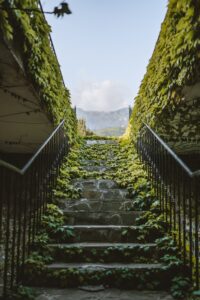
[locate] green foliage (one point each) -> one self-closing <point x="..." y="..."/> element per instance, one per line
<point x="135" y="254"/>
<point x="115" y="278"/>
<point x="170" y="257"/>
<point x="97" y="137"/>
<point x="39" y="259"/>
<point x="41" y="241"/>
<point x="31" y="33"/>
<point x="181" y="286"/>
<point x="70" y="170"/>
<point x="22" y="293"/>
<point x="174" y="65"/>
<point x="53" y="224"/>
<point x="141" y="203"/>
<point x="151" y="225"/>
<point x="167" y="245"/>
<point x="34" y="266"/>
<point x="124" y="167"/>
<point x="128" y="172"/>
<point x="172" y="262"/>
<point x="52" y="219"/>
<point x="83" y="131"/>
<point x="52" y="230"/>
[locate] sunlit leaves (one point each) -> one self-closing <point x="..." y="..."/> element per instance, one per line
<point x="24" y="19"/>
<point x="173" y="65"/>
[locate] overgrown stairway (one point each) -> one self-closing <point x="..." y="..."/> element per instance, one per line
<point x="107" y="243"/>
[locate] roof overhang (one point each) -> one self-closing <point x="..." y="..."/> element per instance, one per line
<point x="24" y="125"/>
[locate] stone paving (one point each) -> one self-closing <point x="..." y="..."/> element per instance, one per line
<point x="107" y="294"/>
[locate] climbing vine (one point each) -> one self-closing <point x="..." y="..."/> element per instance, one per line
<point x="150" y="227"/>
<point x="165" y="99"/>
<point x="28" y="34"/>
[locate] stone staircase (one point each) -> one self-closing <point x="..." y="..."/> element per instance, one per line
<point x="101" y="251"/>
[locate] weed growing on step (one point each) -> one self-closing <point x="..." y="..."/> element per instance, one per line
<point x="123" y="254"/>
<point x="53" y="225"/>
<point x="120" y="278"/>
<point x="52" y="230"/>
<point x="124" y="167"/>
<point x="70" y="169"/>
<point x="22" y="293"/>
<point x="128" y="172"/>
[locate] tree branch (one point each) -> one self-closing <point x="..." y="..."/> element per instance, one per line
<point x="59" y="11"/>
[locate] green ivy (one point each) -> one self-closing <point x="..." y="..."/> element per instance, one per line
<point x="22" y="293"/>
<point x="29" y="35"/>
<point x="174" y="65"/>
<point x="124" y="167"/>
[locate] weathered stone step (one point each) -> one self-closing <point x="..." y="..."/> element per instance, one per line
<point x="92" y="168"/>
<point x="134" y="276"/>
<point x="101" y="218"/>
<point x="90" y="293"/>
<point x="93" y="162"/>
<point x="105" y="233"/>
<point x="100" y="266"/>
<point x="102" y="142"/>
<point x="96" y="205"/>
<point x="106" y="245"/>
<point x="95" y="183"/>
<point x="104" y="252"/>
<point x="103" y="194"/>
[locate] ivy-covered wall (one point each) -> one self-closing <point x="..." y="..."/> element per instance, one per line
<point x="169" y="95"/>
<point x="28" y="33"/>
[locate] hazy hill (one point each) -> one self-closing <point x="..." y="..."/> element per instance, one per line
<point x="102" y="120"/>
<point x="111" y="131"/>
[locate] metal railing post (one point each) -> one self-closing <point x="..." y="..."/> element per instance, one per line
<point x="178" y="189"/>
<point x="24" y="194"/>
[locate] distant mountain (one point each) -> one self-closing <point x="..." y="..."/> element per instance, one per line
<point x="98" y="120"/>
<point x="113" y="131"/>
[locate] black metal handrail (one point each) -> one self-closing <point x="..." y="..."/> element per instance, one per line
<point x="173" y="154"/>
<point x="31" y="160"/>
<point x="178" y="189"/>
<point x="24" y="194"/>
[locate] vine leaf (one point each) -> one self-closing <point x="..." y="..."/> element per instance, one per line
<point x="62" y="9"/>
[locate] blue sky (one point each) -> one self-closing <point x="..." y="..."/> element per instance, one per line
<point x="104" y="48"/>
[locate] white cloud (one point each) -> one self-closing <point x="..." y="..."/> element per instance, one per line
<point x="102" y="96"/>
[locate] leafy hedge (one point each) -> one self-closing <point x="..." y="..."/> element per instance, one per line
<point x="29" y="35"/>
<point x="166" y="99"/>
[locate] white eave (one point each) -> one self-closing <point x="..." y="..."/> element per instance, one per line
<point x="24" y="125"/>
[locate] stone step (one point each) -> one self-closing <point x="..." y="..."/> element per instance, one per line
<point x="96" y="205"/>
<point x="104" y="252"/>
<point x="92" y="168"/>
<point x="95" y="184"/>
<point x="100" y="266"/>
<point x="93" y="162"/>
<point x="105" y="194"/>
<point x="90" y="293"/>
<point x="102" y="142"/>
<point x="101" y="218"/>
<point x="105" y="233"/>
<point x="134" y="276"/>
